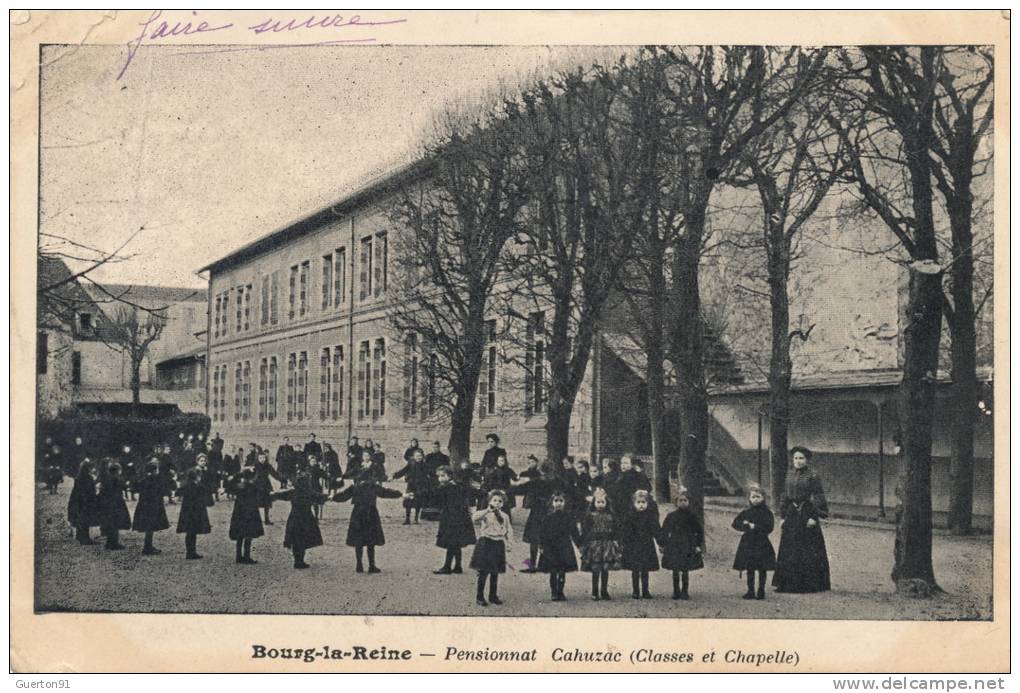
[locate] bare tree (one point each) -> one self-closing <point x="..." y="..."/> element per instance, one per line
<point x="723" y="98"/>
<point x="889" y="134"/>
<point x="963" y="119"/>
<point x="457" y="221"/>
<point x="133" y="331"/>
<point x="793" y="166"/>
<point x="588" y="155"/>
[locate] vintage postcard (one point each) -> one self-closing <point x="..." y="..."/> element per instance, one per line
<point x="395" y="341"/>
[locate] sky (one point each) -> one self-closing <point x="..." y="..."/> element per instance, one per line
<point x="200" y="150"/>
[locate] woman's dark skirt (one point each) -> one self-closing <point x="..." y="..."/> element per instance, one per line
<point x="802" y="565"/>
<point x="489" y="556"/>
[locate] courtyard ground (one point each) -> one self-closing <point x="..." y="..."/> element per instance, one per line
<point x="70" y="577"/>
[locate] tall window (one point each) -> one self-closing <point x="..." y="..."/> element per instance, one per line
<point x="381" y="263"/>
<point x="325" y="381"/>
<point x="263" y="387"/>
<point x="339" y="276"/>
<point x="379" y="379"/>
<point x="337" y="404"/>
<point x="292" y="295"/>
<point x="264" y="302"/>
<point x="534" y="364"/>
<point x="431" y="379"/>
<point x="327" y="281"/>
<point x="302" y="386"/>
<point x="223" y="392"/>
<point x="216" y="315"/>
<point x="239" y="312"/>
<point x="487" y="378"/>
<point x="291" y="385"/>
<point x="365" y="266"/>
<point x="216" y="394"/>
<point x="226" y="312"/>
<point x="246" y="392"/>
<point x="305" y="269"/>
<point x="247" y="307"/>
<point x="274" y="299"/>
<point x="411" y="376"/>
<point x="271" y="390"/>
<point x="364" y="381"/>
<point x="238" y="387"/>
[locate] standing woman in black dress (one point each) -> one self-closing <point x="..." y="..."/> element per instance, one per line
<point x="802" y="564"/>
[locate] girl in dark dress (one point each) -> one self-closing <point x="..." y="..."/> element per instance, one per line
<point x="537" y="494"/>
<point x="334" y="472"/>
<point x="417" y="477"/>
<point x="489" y="558"/>
<point x="320" y="482"/>
<point x="559" y="534"/>
<point x="755" y="552"/>
<point x="150" y="514"/>
<point x="802" y="564"/>
<point x="600" y="549"/>
<point x="193" y="520"/>
<point x="263" y="472"/>
<point x="53" y="475"/>
<point x="639" y="529"/>
<point x="680" y="539"/>
<point x="83" y="505"/>
<point x="365" y="528"/>
<point x="302" y="532"/>
<point x="245" y="520"/>
<point x="113" y="511"/>
<point x="500" y="478"/>
<point x="455" y="527"/>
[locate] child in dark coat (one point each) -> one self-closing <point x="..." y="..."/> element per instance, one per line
<point x="365" y="528"/>
<point x="456" y="529"/>
<point x="302" y="532"/>
<point x="680" y="539"/>
<point x="500" y="478"/>
<point x="537" y="494"/>
<point x="83" y="505"/>
<point x="150" y="514"/>
<point x="755" y="552"/>
<point x="559" y="534"/>
<point x="489" y="557"/>
<point x="263" y="472"/>
<point x="600" y="549"/>
<point x="245" y="520"/>
<point x="320" y="482"/>
<point x="113" y="511"/>
<point x="193" y="520"/>
<point x="416" y="474"/>
<point x="53" y="475"/>
<point x="639" y="530"/>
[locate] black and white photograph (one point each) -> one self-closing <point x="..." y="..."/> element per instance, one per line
<point x="339" y="325"/>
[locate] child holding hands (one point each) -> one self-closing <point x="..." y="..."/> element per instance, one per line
<point x="494" y="537"/>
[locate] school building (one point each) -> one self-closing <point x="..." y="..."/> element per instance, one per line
<point x="299" y="342"/>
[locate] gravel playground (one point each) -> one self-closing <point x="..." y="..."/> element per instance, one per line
<point x="70" y="577"/>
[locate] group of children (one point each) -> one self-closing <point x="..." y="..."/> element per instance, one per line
<point x="610" y="517"/>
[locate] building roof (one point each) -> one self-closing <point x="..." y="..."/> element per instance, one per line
<point x="841" y="380"/>
<point x="153" y="297"/>
<point x="362" y="195"/>
<point x="196" y="353"/>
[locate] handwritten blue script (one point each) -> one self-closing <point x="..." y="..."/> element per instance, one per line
<point x="156" y="28"/>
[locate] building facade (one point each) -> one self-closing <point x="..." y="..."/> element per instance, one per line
<point x="300" y="343"/>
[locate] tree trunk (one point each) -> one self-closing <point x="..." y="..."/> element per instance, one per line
<point x="461" y="419"/>
<point x="136" y="385"/>
<point x="913" y="562"/>
<point x="964" y="391"/>
<point x="780" y="366"/>
<point x="557" y="429"/>
<point x="656" y="377"/>
<point x="688" y="345"/>
<point x="912" y="569"/>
